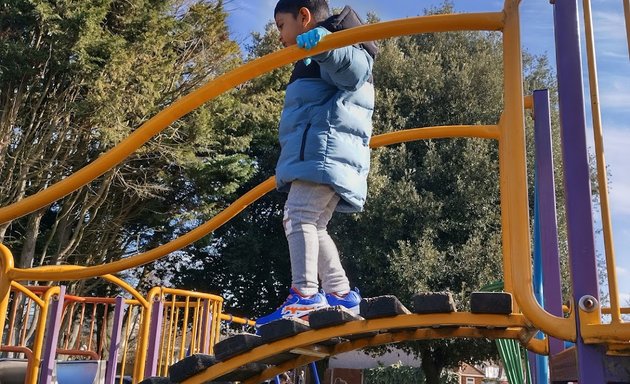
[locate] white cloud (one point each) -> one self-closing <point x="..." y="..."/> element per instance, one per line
<point x="616" y="145"/>
<point x="619" y="198"/>
<point x="609" y="25"/>
<point x="617" y="93"/>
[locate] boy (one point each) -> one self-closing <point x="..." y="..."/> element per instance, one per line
<point x="324" y="134"/>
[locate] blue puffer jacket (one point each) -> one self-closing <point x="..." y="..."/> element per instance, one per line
<point x="326" y="125"/>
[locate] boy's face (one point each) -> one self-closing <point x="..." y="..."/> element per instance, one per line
<point x="290" y="27"/>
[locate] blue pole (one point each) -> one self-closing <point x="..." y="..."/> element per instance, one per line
<point x="314" y="371"/>
<point x="541" y="364"/>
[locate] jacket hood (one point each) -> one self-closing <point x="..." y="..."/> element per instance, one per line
<point x="347" y="19"/>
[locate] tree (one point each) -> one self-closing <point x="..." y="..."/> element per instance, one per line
<point x="76" y="78"/>
<point x="436" y="201"/>
<point x="246" y="260"/>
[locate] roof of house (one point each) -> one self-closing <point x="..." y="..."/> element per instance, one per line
<point x="469" y="370"/>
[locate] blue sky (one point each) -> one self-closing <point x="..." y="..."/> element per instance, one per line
<point x="537" y="37"/>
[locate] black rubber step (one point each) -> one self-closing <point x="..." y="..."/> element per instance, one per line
<point x="433" y="302"/>
<point x="157" y="380"/>
<point x="331" y="316"/>
<point x="495" y="303"/>
<point x="236" y="345"/>
<point x="382" y="306"/>
<point x="190" y="366"/>
<point x="282" y="328"/>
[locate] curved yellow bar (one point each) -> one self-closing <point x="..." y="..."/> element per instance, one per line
<point x="513" y="183"/>
<point x="413" y="25"/>
<point x="111" y="278"/>
<point x="513" y="174"/>
<point x="64" y="272"/>
<point x="380" y="339"/>
<point x="19" y="287"/>
<point x="122" y="284"/>
<point x="313" y="337"/>
<point x="237" y="320"/>
<point x="443" y="132"/>
<point x="182" y="292"/>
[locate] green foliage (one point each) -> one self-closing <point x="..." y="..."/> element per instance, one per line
<point x="398" y="373"/>
<point x="436" y="201"/>
<point x="76" y="78"/>
<point x="248" y="257"/>
<point x="393" y="374"/>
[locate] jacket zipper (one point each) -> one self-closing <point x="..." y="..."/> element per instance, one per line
<point x="308" y="126"/>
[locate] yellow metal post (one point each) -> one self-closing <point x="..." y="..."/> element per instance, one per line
<point x="6" y="264"/>
<point x="626" y="12"/>
<point x="38" y="344"/>
<point x="513" y="171"/>
<point x="601" y="164"/>
<point x="143" y="334"/>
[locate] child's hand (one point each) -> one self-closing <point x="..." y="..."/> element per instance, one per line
<point x="310" y="39"/>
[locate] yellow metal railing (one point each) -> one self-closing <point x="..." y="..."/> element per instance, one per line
<point x="510" y="134"/>
<point x="191" y="324"/>
<point x="22" y="318"/>
<point x="134" y="315"/>
<point x="32" y="318"/>
<point x="601" y="165"/>
<point x="32" y="315"/>
<point x="184" y="315"/>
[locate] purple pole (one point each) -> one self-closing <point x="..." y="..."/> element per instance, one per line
<point x="545" y="185"/>
<point x="53" y="324"/>
<point x="114" y="345"/>
<point x="577" y="179"/>
<point x="155" y="335"/>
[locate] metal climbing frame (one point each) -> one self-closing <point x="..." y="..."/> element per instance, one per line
<point x="509" y="132"/>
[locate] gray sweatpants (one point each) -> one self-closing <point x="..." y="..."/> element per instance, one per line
<point x="313" y="253"/>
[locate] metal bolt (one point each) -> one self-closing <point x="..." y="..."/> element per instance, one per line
<point x="588" y="303"/>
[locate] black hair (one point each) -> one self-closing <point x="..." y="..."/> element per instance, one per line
<point x="319" y="8"/>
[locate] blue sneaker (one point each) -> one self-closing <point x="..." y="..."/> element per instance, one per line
<point x="296" y="306"/>
<point x="351" y="301"/>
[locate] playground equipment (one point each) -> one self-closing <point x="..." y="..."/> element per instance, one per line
<point x="45" y="323"/>
<point x="601" y="348"/>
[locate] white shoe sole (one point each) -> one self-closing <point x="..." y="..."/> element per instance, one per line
<point x="356" y="309"/>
